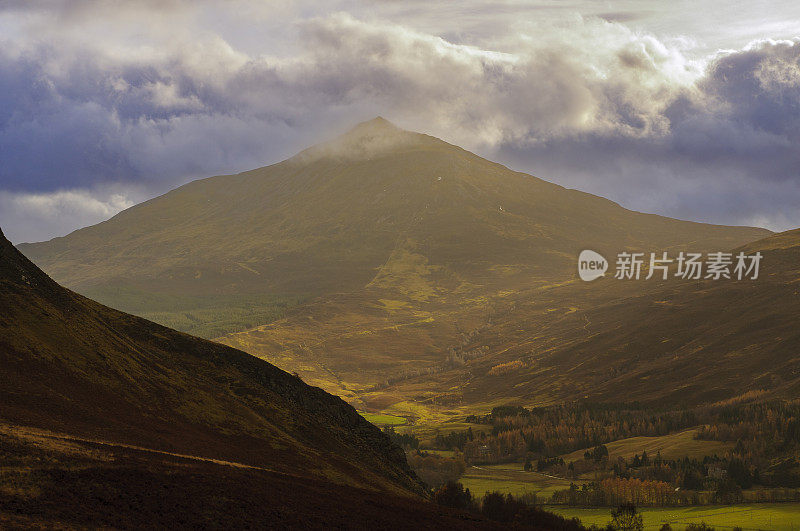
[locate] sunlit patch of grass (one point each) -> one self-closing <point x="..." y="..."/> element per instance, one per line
<point x="381" y="419"/>
<point x="409" y="273"/>
<point x="507" y="269"/>
<point x="672" y="446"/>
<point x="392" y="305"/>
<point x="510" y="478"/>
<point x="768" y="516"/>
<point x="421" y="413"/>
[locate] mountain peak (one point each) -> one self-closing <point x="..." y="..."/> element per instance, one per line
<point x="377" y="125"/>
<point x="378" y="129"/>
<point x="366" y="140"/>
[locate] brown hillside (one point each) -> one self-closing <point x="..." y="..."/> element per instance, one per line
<point x="74" y="366"/>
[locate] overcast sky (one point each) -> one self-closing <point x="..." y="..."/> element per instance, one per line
<point x="688" y="109"/>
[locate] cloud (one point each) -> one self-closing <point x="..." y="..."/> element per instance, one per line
<point x="29" y="217"/>
<point x="594" y="77"/>
<point x="729" y="154"/>
<point x="84" y="118"/>
<point x="582" y="101"/>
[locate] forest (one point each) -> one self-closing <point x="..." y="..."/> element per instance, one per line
<point x="759" y="464"/>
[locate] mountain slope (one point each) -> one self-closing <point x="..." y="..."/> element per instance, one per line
<point x="74" y="366"/>
<point x="676" y="342"/>
<point x="379" y="207"/>
<point x="55" y="481"/>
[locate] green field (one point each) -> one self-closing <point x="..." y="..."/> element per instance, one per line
<point x="510" y="478"/>
<point x="381" y="419"/>
<point x="772" y="516"/>
<point x="673" y="446"/>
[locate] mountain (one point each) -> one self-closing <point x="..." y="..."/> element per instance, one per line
<point x="359" y="260"/>
<point x="108" y="419"/>
<point x="377" y="207"/>
<point x="675" y="342"/>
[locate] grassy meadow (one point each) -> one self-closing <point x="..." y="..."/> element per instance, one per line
<point x="672" y="446"/>
<point x="766" y="516"/>
<point x="510" y="479"/>
<point x="381" y="419"/>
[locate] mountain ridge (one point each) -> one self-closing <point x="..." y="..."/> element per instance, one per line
<point x="74" y="366"/>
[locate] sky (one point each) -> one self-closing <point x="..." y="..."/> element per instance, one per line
<point x="686" y="109"/>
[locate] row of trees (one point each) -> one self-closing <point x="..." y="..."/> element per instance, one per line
<point x="454" y="440"/>
<point x="502" y="508"/>
<point x="617" y="491"/>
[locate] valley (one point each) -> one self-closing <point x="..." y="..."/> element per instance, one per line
<point x="436" y="293"/>
<point x="399" y="266"/>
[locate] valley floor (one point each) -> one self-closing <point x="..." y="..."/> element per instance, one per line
<point x="510" y="479"/>
<point x="764" y="516"/>
<point x="433" y="437"/>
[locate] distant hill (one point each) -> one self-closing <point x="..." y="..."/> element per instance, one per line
<point x="671" y="343"/>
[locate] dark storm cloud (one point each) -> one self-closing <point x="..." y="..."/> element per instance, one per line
<point x="757" y="92"/>
<point x="49" y="131"/>
<point x="730" y="154"/>
<point x="92" y="120"/>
